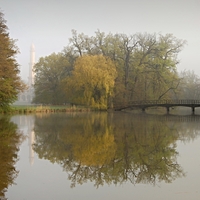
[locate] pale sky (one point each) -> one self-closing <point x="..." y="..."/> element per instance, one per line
<point x="48" y="24"/>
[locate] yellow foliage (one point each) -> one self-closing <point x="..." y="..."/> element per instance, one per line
<point x="92" y="80"/>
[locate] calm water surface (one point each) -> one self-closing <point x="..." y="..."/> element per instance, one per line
<point x="112" y="156"/>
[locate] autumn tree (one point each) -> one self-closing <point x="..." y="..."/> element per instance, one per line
<point x="10" y="81"/>
<point x="92" y="81"/>
<point x="50" y="71"/>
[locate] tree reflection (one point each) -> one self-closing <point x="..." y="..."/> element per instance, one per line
<point x="110" y="148"/>
<point x="10" y="140"/>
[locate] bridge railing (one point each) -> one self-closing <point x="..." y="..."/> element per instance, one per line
<point x="166" y="101"/>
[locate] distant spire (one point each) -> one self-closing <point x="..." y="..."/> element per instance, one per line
<point x="31" y="64"/>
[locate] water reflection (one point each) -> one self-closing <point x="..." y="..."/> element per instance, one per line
<point x="114" y="148"/>
<point x="10" y="140"/>
<point x="31" y="139"/>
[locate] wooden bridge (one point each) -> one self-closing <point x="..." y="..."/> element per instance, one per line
<point x="143" y="104"/>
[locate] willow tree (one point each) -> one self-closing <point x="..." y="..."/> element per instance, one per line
<point x="92" y="81"/>
<point x="10" y="82"/>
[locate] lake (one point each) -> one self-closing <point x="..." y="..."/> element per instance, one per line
<point x="114" y="156"/>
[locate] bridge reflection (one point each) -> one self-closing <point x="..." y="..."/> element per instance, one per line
<point x="170" y="118"/>
<point x="168" y="103"/>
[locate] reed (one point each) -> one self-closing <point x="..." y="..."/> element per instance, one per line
<point x="22" y="109"/>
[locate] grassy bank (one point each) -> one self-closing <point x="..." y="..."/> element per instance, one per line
<point x="45" y="109"/>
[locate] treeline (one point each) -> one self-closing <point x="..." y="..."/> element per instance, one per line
<point x="101" y="70"/>
<point x="107" y="69"/>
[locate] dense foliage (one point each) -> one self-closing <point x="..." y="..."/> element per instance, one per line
<point x="142" y="66"/>
<point x="50" y="71"/>
<point x="10" y="82"/>
<point x="92" y="81"/>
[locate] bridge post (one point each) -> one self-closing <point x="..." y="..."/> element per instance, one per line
<point x="167" y="109"/>
<point x="143" y="109"/>
<point x="193" y="110"/>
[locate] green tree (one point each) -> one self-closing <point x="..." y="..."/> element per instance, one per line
<point x="156" y="66"/>
<point x="92" y="81"/>
<point x="10" y="82"/>
<point x="50" y="71"/>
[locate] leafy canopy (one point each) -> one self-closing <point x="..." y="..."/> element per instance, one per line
<point x="50" y="72"/>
